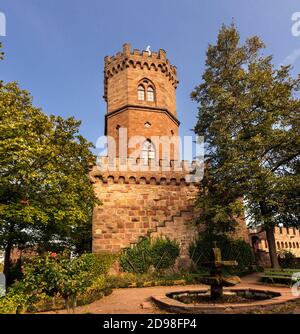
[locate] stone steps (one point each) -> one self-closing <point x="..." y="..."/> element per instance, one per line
<point x="177" y="225"/>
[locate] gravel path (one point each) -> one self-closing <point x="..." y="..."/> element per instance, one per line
<point x="137" y="300"/>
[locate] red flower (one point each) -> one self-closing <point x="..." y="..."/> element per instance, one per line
<point x="53" y="255"/>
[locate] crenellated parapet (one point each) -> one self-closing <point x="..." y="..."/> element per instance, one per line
<point x="137" y="59"/>
<point x="135" y="172"/>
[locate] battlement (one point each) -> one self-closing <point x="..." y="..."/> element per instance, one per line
<point x="155" y="61"/>
<point x="134" y="171"/>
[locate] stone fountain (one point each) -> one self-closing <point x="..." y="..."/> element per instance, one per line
<point x="236" y="300"/>
<point x="216" y="279"/>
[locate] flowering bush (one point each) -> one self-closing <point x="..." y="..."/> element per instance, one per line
<point x="58" y="275"/>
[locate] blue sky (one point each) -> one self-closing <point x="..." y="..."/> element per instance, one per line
<point x="55" y="48"/>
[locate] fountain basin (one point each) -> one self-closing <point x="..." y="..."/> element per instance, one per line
<point x="236" y="300"/>
<point x="237" y="296"/>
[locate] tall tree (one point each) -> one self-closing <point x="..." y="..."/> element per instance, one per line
<point x="46" y="198"/>
<point x="249" y="116"/>
<point x="1" y="53"/>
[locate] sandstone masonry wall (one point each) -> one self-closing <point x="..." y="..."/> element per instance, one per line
<point x="136" y="209"/>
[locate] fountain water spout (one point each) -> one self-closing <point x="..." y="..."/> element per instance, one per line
<point x="216" y="279"/>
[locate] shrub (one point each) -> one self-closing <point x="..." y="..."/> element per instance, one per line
<point x="101" y="263"/>
<point x="43" y="274"/>
<point x="13" y="303"/>
<point x="58" y="275"/>
<point x="124" y="280"/>
<point x="164" y="253"/>
<point x="287" y="259"/>
<point x="96" y="290"/>
<point x="160" y="253"/>
<point x="201" y="250"/>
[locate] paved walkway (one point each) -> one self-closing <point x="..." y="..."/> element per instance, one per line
<point x="137" y="300"/>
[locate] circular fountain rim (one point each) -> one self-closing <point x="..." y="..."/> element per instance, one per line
<point x="172" y="305"/>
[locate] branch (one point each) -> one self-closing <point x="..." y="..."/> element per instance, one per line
<point x="285" y="160"/>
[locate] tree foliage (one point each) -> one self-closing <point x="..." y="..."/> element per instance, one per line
<point x="249" y="116"/>
<point x="201" y="250"/>
<point x="46" y="198"/>
<point x="58" y="276"/>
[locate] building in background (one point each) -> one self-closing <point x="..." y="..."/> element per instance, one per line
<point x="286" y="239"/>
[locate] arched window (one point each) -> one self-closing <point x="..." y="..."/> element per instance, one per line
<point x="278" y="245"/>
<point x="147" y="152"/>
<point x="150" y="94"/>
<point x="146" y="90"/>
<point x="141" y="93"/>
<point x="282" y="244"/>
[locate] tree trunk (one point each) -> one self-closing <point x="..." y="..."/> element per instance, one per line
<point x="270" y="235"/>
<point x="272" y="247"/>
<point x="7" y="263"/>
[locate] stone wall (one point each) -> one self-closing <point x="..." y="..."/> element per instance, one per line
<point x="135" y="209"/>
<point x="145" y="203"/>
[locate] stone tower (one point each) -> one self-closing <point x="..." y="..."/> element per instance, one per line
<point x="140" y="91"/>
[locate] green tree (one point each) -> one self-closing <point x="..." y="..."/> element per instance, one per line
<point x="249" y="116"/>
<point x="46" y="198"/>
<point x="1" y="53"/>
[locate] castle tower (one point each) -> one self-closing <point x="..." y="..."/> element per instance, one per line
<point x="140" y="91"/>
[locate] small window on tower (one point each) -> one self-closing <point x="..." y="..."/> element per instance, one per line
<point x="150" y="94"/>
<point x="141" y="93"/>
